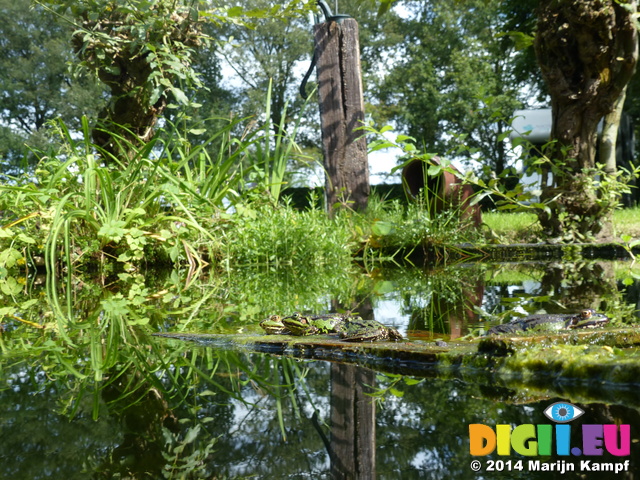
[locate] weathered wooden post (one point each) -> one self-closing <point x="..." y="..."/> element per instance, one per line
<point x="337" y="51"/>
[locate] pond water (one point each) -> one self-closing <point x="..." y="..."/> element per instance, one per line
<point x="95" y="396"/>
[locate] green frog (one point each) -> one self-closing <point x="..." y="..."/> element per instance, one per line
<point x="274" y="326"/>
<point x="351" y="328"/>
<point x="358" y="330"/>
<point x="587" y="318"/>
<point x="299" y="324"/>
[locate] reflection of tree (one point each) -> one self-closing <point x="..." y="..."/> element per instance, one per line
<point x="352" y="448"/>
<point x="231" y="400"/>
<point x="581" y="285"/>
<point x="35" y="437"/>
<point x="574" y="286"/>
<point x="558" y="287"/>
<point x="165" y="407"/>
<point x="632" y="296"/>
<point x="142" y="421"/>
<point x="353" y="423"/>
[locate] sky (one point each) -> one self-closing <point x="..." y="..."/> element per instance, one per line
<point x="380" y="162"/>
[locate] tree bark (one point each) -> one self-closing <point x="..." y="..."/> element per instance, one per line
<point x="341" y="113"/>
<point x="609" y="136"/>
<point x="587" y="51"/>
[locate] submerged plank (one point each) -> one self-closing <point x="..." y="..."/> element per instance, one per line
<point x="402" y="355"/>
<point x="598" y="353"/>
<point x="575" y="365"/>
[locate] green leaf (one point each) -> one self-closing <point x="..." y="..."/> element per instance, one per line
<point x="7" y="311"/>
<point x="29" y="303"/>
<point x="520" y="39"/>
<point x="503" y="135"/>
<point x="384" y="287"/>
<point x="508" y="206"/>
<point x="113" y="230"/>
<point x="155" y="95"/>
<point x="434" y="170"/>
<point x="115" y="306"/>
<point x="235" y="12"/>
<point x="180" y="96"/>
<point x="9" y="257"/>
<point x="384" y="7"/>
<point x="25" y="239"/>
<point x="404" y="139"/>
<point x="396" y="393"/>
<point x="477" y="198"/>
<point x="381" y="228"/>
<point x="10" y="286"/>
<point x="412" y="381"/>
<point x="192" y="434"/>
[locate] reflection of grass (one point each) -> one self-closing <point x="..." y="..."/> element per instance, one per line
<point x="513" y="276"/>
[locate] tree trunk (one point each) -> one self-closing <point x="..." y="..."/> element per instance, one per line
<point x="587" y="51"/>
<point x="609" y="137"/>
<point x="142" y="64"/>
<point x="128" y="121"/>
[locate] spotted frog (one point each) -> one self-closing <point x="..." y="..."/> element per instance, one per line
<point x="274" y="326"/>
<point x="299" y="324"/>
<point x="358" y="330"/>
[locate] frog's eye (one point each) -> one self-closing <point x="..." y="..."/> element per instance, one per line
<point x="587" y="313"/>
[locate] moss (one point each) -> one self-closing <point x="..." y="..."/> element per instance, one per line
<point x="574" y="358"/>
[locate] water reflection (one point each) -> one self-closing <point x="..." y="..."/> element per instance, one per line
<point x="336" y="422"/>
<point x="452" y="303"/>
<point x="352" y="448"/>
<point x="92" y="395"/>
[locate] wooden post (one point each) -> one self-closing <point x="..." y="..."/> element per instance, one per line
<point x="353" y="423"/>
<point x="341" y="113"/>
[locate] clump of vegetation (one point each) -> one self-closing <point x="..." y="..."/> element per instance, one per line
<point x="390" y="225"/>
<point x="162" y="208"/>
<point x="275" y="236"/>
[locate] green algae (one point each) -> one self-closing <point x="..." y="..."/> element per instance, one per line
<point x="604" y="356"/>
<point x="514" y="369"/>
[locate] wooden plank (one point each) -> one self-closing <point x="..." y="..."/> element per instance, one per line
<point x="341" y="113"/>
<point x="572" y="365"/>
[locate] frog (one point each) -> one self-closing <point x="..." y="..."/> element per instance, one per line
<point x="359" y="330"/>
<point x="586" y="318"/>
<point x="301" y="325"/>
<point x="274" y="326"/>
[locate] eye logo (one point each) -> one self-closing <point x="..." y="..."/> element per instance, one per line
<point x="563" y="412"/>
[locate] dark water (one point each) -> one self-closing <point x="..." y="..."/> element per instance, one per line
<point x="159" y="408"/>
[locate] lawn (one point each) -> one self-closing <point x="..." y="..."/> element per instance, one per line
<point x="523" y="227"/>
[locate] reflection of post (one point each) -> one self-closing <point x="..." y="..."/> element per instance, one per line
<point x="341" y="112"/>
<point x="353" y="426"/>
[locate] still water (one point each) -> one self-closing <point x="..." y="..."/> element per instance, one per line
<point x="110" y="401"/>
